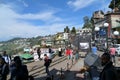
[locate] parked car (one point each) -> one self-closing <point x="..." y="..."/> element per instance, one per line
<point x="117" y="47"/>
<point x="26" y="57"/>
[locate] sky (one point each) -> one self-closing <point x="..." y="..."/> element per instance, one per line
<point x="32" y="18"/>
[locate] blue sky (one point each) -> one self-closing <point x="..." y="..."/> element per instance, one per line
<point x="31" y="18"/>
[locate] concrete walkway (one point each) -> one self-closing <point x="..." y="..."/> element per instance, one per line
<point x="72" y="74"/>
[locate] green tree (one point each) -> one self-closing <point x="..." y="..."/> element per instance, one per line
<point x="67" y="30"/>
<point x="39" y="42"/>
<point x="87" y="22"/>
<point x="73" y="31"/>
<point x="114" y="3"/>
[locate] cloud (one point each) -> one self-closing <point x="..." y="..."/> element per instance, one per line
<point x="14" y="24"/>
<point x="11" y="26"/>
<point x="24" y="3"/>
<point x="43" y="16"/>
<point x="78" y="4"/>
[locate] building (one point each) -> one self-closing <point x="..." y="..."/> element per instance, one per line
<point x="113" y="19"/>
<point x="114" y="23"/>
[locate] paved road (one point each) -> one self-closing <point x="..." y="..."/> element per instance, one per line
<point x="37" y="69"/>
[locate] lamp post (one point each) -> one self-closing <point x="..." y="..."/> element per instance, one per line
<point x="96" y="30"/>
<point x="106" y="25"/>
<point x="94" y="47"/>
<point x="116" y="33"/>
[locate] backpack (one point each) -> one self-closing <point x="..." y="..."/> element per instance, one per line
<point x="50" y="60"/>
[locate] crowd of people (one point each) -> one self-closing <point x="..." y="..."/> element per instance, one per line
<point x="15" y="68"/>
<point x="18" y="71"/>
<point x="107" y="59"/>
<point x="36" y="52"/>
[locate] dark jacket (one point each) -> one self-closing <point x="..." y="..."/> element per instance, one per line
<point x="47" y="61"/>
<point x="4" y="71"/>
<point x="108" y="72"/>
<point x="20" y="73"/>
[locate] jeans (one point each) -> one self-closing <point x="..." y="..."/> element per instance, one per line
<point x="47" y="70"/>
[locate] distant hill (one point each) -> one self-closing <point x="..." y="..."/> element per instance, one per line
<point x="16" y="45"/>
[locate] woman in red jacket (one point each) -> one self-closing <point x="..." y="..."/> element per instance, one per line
<point x="68" y="53"/>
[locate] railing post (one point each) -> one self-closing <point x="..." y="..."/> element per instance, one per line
<point x="61" y="74"/>
<point x="52" y="77"/>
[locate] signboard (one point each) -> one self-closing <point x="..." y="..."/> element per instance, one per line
<point x="115" y="21"/>
<point x="65" y="36"/>
<point x="92" y="60"/>
<point x="84" y="45"/>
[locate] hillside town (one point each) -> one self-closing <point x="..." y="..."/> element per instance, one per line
<point x="74" y="54"/>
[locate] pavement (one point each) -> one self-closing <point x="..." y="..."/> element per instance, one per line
<point x="73" y="73"/>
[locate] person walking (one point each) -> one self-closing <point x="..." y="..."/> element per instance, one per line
<point x="94" y="49"/>
<point x="76" y="55"/>
<point x="112" y="53"/>
<point x="39" y="52"/>
<point x="68" y="52"/>
<point x="47" y="62"/>
<point x="4" y="69"/>
<point x="35" y="54"/>
<point x="108" y="72"/>
<point x="60" y="52"/>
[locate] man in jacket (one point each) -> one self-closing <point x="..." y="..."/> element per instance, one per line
<point x="20" y="71"/>
<point x="6" y="57"/>
<point x="108" y="72"/>
<point x="4" y="69"/>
